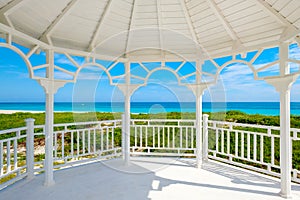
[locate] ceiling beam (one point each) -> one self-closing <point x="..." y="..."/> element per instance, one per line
<point x="159" y="23"/>
<point x="192" y="29"/>
<point x="218" y="13"/>
<point x="290" y="31"/>
<point x="9" y="8"/>
<point x="129" y="28"/>
<point x="45" y="37"/>
<point x="273" y="13"/>
<point x="107" y="8"/>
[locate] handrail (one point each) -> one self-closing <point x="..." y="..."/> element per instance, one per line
<point x="255" y="147"/>
<point x="246" y="145"/>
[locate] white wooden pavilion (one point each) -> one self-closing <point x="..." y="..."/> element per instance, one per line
<point x="138" y="32"/>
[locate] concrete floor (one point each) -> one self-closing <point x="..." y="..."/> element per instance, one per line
<point x="150" y="178"/>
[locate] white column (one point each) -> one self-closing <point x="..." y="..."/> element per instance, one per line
<point x="285" y="144"/>
<point x="205" y="137"/>
<point x="127" y="115"/>
<point x="123" y="136"/>
<point x="283" y="85"/>
<point x="49" y="180"/>
<point x="30" y="148"/>
<point x="198" y="92"/>
<point x="199" y="129"/>
<point x="50" y="86"/>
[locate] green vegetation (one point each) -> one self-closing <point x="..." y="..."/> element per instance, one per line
<point x="8" y="121"/>
<point x="15" y="120"/>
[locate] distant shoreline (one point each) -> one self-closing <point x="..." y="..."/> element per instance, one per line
<point x="263" y="108"/>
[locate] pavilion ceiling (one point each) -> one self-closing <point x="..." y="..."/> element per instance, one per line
<point x="155" y="29"/>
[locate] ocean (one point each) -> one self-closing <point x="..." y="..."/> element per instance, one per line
<point x="264" y="108"/>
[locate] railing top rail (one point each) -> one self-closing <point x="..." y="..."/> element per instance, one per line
<point x="87" y="123"/>
<point x="245" y="125"/>
<point x="12" y="130"/>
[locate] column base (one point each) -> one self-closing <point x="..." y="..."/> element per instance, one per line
<point x="49" y="183"/>
<point x="285" y="195"/>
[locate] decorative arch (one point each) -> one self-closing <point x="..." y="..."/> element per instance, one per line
<point x="96" y="65"/>
<point x="160" y="69"/>
<point x="24" y="57"/>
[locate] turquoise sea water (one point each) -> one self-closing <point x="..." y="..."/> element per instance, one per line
<point x="265" y="108"/>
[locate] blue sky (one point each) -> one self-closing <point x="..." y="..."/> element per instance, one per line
<point x="236" y="83"/>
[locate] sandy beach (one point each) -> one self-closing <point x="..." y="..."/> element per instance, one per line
<point x="16" y="111"/>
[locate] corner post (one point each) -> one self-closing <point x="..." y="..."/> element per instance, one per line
<point x="50" y="86"/>
<point x="127" y="90"/>
<point x="283" y="85"/>
<point x="205" y="137"/>
<point x="198" y="90"/>
<point x="123" y="136"/>
<point x="30" y="148"/>
<point x="199" y="129"/>
<point x="127" y="115"/>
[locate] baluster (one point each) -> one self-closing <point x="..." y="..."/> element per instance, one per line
<point x="261" y="148"/>
<point x="55" y="145"/>
<point x="236" y="144"/>
<point x="254" y="147"/>
<point x="107" y="140"/>
<point x="102" y="142"/>
<point x="113" y="138"/>
<point x="248" y="146"/>
<point x="217" y="140"/>
<point x="8" y="156"/>
<point x="173" y="137"/>
<point x="135" y="136"/>
<point x="272" y="151"/>
<point x="163" y="130"/>
<point x="16" y="155"/>
<point x="222" y="140"/>
<point x="186" y="137"/>
<point x="62" y="144"/>
<point x="89" y="141"/>
<point x="83" y="142"/>
<point x="168" y="130"/>
<point x="1" y="158"/>
<point x="94" y="140"/>
<point x="228" y="142"/>
<point x="78" y="146"/>
<point x="242" y="144"/>
<point x="192" y="137"/>
<point x="141" y="137"/>
<point x="180" y="129"/>
<point x="146" y="135"/>
<point x="158" y="137"/>
<point x="153" y="135"/>
<point x="72" y="143"/>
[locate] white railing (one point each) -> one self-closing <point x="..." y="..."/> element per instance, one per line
<point x="85" y="140"/>
<point x="163" y="137"/>
<point x="11" y="165"/>
<point x="254" y="147"/>
<point x="22" y="150"/>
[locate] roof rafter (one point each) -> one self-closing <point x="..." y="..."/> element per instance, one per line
<point x="8" y="9"/>
<point x="58" y="20"/>
<point x="218" y="13"/>
<point x="92" y="44"/>
<point x="159" y="23"/>
<point x="290" y="30"/>
<point x="129" y="28"/>
<point x="191" y="27"/>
